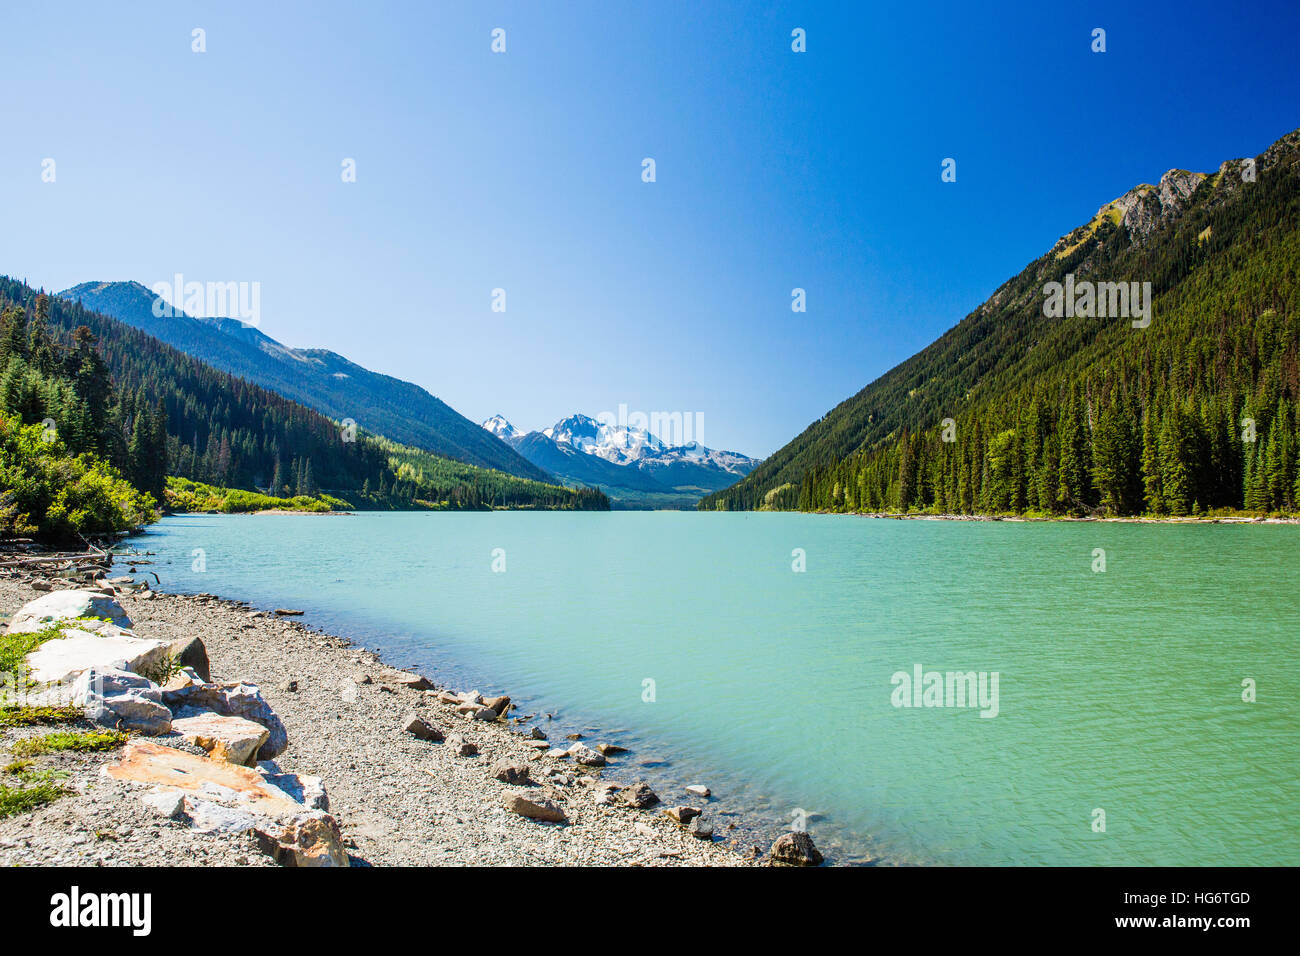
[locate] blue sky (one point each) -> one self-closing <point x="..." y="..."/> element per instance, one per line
<point x="522" y="171"/>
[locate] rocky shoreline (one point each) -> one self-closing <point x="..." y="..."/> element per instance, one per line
<point x="410" y="774"/>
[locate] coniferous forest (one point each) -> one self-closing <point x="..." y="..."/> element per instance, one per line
<point x="144" y="411"/>
<point x="1014" y="413"/>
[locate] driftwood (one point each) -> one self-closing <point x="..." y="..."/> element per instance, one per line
<point x="94" y="560"/>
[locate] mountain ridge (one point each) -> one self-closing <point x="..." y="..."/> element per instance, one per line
<point x="1235" y="225"/>
<point x="318" y="378"/>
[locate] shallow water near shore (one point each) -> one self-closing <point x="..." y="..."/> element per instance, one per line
<point x="1118" y="691"/>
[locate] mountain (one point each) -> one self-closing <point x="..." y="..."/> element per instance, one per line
<point x="619" y="444"/>
<point x="1049" y="399"/>
<point x="152" y="410"/>
<point x="317" y="378"/>
<point x="634" y="467"/>
<point x="498" y="426"/>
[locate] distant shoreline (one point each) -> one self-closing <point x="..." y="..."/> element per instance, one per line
<point x="1023" y="519"/>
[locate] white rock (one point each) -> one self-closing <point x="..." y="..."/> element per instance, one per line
<point x="63" y="659"/>
<point x="698" y="790"/>
<point x="306" y="789"/>
<point x="164" y="802"/>
<point x="207" y="816"/>
<point x="66" y="605"/>
<point x="119" y="699"/>
<point x="586" y="756"/>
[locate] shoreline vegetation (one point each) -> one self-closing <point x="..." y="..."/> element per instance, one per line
<point x="404" y="772"/>
<point x="1232" y="518"/>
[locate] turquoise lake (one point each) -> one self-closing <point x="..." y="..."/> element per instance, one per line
<point x="1118" y="691"/>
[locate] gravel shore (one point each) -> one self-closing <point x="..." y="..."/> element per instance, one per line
<point x="399" y="800"/>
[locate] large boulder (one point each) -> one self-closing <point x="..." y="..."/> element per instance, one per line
<point x="63" y="659"/>
<point x="232" y="739"/>
<point x="232" y="699"/>
<point x="58" y="606"/>
<point x="311" y="839"/>
<point x="122" y="700"/>
<point x="219" y="797"/>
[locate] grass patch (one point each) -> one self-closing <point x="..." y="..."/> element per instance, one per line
<point x="34" y="788"/>
<point x="14" y="800"/>
<point x="31" y="716"/>
<point x="14" y="648"/>
<point x="64" y="740"/>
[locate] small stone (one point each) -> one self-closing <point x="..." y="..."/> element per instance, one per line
<point x="701" y="829"/>
<point x="573" y="736"/>
<point x="289" y="687"/>
<point x="699" y="790"/>
<point x="682" y="815"/>
<point x="586" y="756"/>
<point x="362" y="678"/>
<point x="409" y="681"/>
<point x="461" y="747"/>
<point x="512" y="773"/>
<point x="610" y="749"/>
<point x="796" y="849"/>
<point x="420" y="728"/>
<point x="639" y="795"/>
<point x="498" y="704"/>
<point x="534" y="808"/>
<point x="537" y="733"/>
<point x="166" y="803"/>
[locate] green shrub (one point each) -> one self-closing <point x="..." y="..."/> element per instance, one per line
<point x="51" y="494"/>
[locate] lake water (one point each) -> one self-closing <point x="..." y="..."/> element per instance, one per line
<point x="1118" y="691"/>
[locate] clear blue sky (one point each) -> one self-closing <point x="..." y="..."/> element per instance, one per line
<point x="523" y="170"/>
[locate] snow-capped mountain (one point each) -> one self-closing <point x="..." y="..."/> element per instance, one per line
<point x="498" y="426"/>
<point x="617" y="443"/>
<point x="623" y="459"/>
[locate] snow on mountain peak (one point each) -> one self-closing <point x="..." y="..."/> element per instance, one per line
<point x="616" y="443"/>
<point x="498" y="426"/>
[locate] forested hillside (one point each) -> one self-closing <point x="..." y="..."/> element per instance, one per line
<point x="151" y="411"/>
<point x="1195" y="412"/>
<point x="67" y="439"/>
<point x="320" y="379"/>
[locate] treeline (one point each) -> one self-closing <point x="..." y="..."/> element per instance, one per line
<point x="1197" y="412"/>
<point x="424" y="479"/>
<point x="1086" y="452"/>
